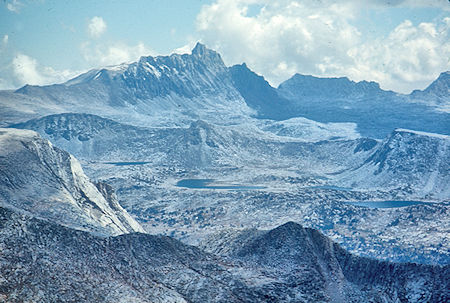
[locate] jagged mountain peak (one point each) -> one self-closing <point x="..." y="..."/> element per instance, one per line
<point x="155" y="65"/>
<point x="200" y="49"/>
<point x="151" y="84"/>
<point x="200" y="54"/>
<point x="149" y="71"/>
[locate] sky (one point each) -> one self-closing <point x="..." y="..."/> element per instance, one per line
<point x="401" y="44"/>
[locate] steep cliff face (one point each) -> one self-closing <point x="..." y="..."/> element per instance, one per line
<point x="49" y="183"/>
<point x="259" y="94"/>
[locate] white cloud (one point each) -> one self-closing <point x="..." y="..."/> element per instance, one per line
<point x="187" y="48"/>
<point x="5" y="84"/>
<point x="27" y="70"/>
<point x="409" y="58"/>
<point x="408" y="3"/>
<point x="96" y="27"/>
<point x="101" y="55"/>
<point x="319" y="38"/>
<point x="285" y="36"/>
<point x="5" y="39"/>
<point x="14" y="6"/>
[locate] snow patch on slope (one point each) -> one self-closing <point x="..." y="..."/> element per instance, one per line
<point x="311" y="131"/>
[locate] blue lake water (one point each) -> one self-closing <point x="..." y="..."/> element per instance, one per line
<point x="385" y="204"/>
<point x="209" y="184"/>
<point x="331" y="187"/>
<point x="126" y="163"/>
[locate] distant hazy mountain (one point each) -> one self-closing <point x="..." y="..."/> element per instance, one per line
<point x="330" y="88"/>
<point x="44" y="261"/>
<point x="377" y="112"/>
<point x="49" y="183"/>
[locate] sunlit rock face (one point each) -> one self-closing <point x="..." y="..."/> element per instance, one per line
<point x="49" y="183"/>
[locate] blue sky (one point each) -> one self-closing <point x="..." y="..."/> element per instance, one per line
<point x="402" y="44"/>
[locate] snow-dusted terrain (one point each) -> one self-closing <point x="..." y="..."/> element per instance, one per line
<point x="307" y="181"/>
<point x="49" y="183"/>
<point x="418" y="160"/>
<point x="43" y="261"/>
<point x="217" y="158"/>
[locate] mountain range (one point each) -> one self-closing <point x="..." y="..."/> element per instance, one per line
<point x="166" y="90"/>
<point x="177" y="179"/>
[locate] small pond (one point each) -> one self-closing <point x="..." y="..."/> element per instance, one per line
<point x="212" y="184"/>
<point x="127" y="163"/>
<point x="385" y="204"/>
<point x="331" y="187"/>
